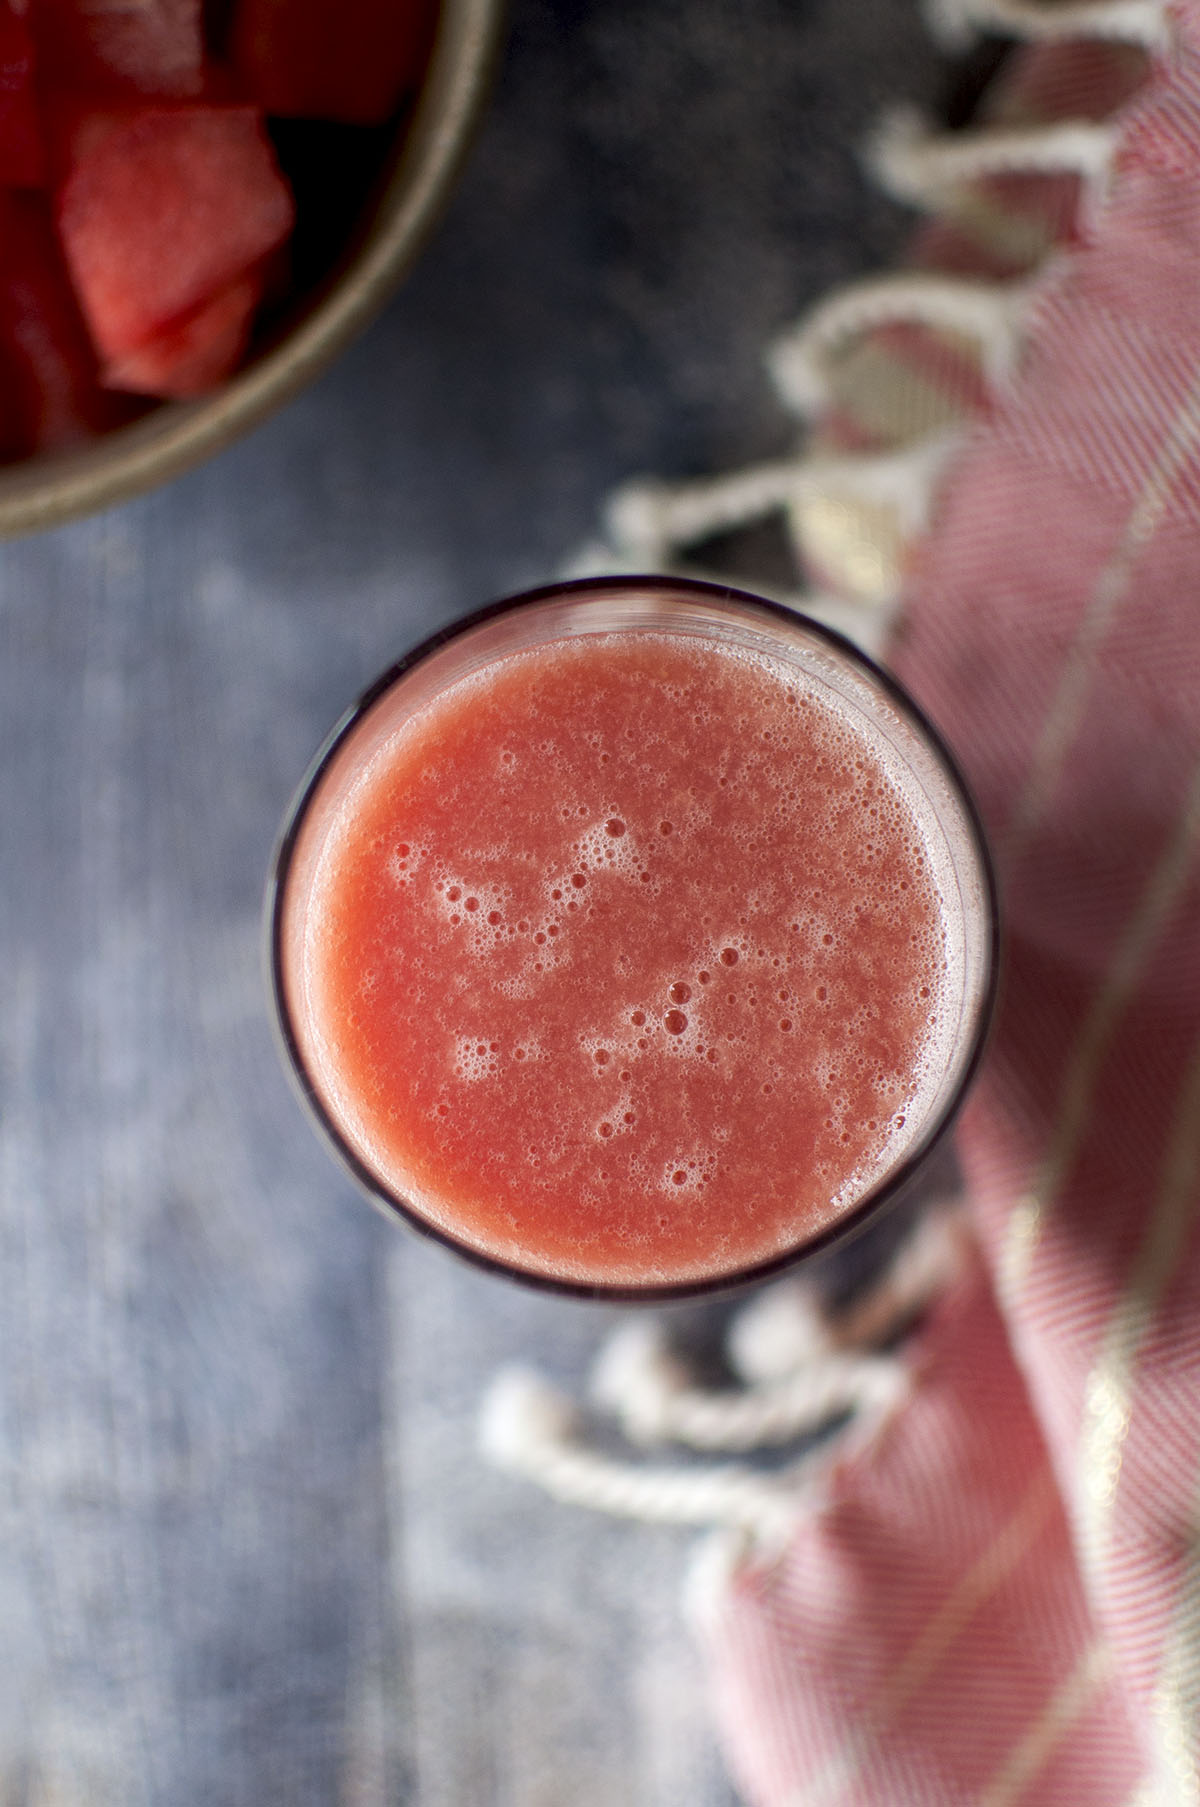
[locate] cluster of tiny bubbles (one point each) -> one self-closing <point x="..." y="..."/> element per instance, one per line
<point x="688" y="1173"/>
<point x="595" y="740"/>
<point x="475" y="1058"/>
<point x="482" y="909"/>
<point x="547" y="1150"/>
<point x="485" y="914"/>
<point x="405" y="861"/>
<point x="607" y="845"/>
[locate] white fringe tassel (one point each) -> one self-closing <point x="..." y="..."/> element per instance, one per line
<point x="651" y="518"/>
<point x="806" y="1368"/>
<point x="927" y="168"/>
<point x="953" y="23"/>
<point x="651" y="1395"/>
<point x="788" y="1327"/>
<point x="528" y="1429"/>
<point x="991" y="313"/>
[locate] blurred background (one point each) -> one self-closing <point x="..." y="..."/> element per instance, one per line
<point x="248" y="1552"/>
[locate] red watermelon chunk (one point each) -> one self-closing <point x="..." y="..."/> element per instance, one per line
<point x="51" y="386"/>
<point x="195" y="354"/>
<point x="22" y="158"/>
<point x="147" y="47"/>
<point x="164" y="209"/>
<point x="349" y="60"/>
<point x="73" y="125"/>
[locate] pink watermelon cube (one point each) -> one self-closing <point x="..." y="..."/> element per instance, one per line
<point x="349" y="60"/>
<point x="72" y="125"/>
<point x="52" y="389"/>
<point x="150" y="47"/>
<point x="195" y="354"/>
<point x="164" y="209"/>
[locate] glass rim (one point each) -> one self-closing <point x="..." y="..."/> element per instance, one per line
<point x="394" y="1206"/>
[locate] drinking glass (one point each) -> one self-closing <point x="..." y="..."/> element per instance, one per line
<point x="877" y="722"/>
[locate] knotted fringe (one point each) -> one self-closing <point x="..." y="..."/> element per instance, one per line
<point x="801" y="1366"/>
<point x="852" y="513"/>
<point x="1142" y="22"/>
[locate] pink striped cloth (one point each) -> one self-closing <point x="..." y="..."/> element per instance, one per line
<point x="1001" y="1602"/>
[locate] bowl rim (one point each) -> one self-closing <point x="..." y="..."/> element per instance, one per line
<point x="46" y="491"/>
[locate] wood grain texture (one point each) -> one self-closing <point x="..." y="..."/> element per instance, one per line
<point x="248" y="1555"/>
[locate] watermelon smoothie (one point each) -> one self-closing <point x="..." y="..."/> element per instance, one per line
<point x="634" y="939"/>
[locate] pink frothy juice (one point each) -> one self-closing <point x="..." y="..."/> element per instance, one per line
<point x="635" y="938"/>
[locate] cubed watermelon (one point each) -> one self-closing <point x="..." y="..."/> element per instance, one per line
<point x="73" y="124"/>
<point x="22" y="156"/>
<point x="348" y="60"/>
<point x="53" y="390"/>
<point x="153" y="48"/>
<point x="164" y="209"/>
<point x="195" y="354"/>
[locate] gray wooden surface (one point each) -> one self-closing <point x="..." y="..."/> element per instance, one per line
<point x="248" y="1554"/>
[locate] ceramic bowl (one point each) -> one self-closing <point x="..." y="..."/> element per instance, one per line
<point x="414" y="179"/>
